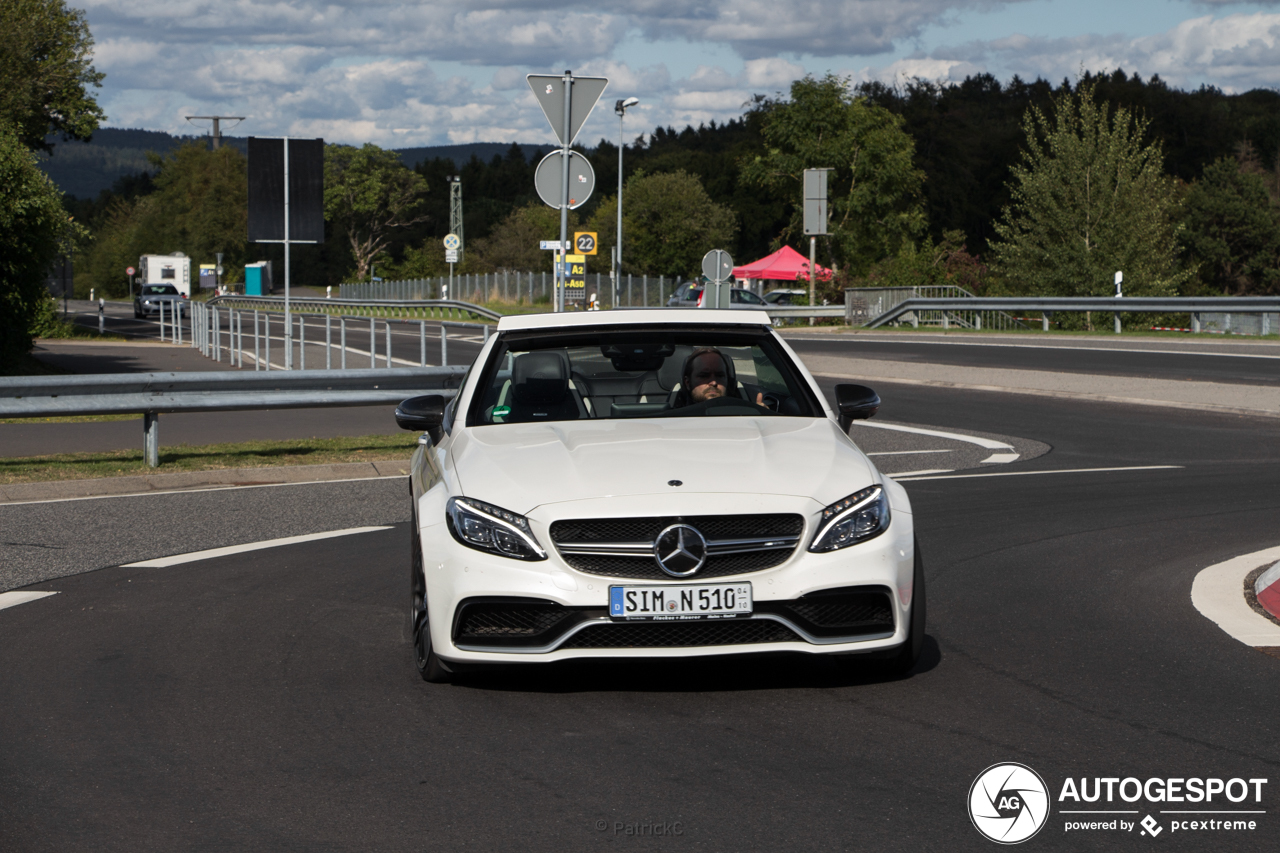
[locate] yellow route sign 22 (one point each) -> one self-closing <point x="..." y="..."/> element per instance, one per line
<point x="584" y="242"/>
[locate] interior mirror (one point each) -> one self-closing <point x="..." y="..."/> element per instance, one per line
<point x="423" y="414"/>
<point x="855" y="402"/>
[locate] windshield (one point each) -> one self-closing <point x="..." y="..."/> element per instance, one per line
<point x="639" y="373"/>
<point x="160" y="290"/>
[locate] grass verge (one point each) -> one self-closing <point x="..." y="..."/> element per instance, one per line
<point x="210" y="457"/>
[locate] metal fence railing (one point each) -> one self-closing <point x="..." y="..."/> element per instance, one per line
<point x="153" y="394"/>
<point x="865" y="304"/>
<point x="1197" y="307"/>
<point x="222" y="328"/>
<point x="633" y="291"/>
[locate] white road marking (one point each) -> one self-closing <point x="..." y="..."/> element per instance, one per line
<point x="1052" y="471"/>
<point x="202" y="489"/>
<point x="1002" y="458"/>
<point x="194" y="556"/>
<point x="1218" y="593"/>
<point x="907" y="452"/>
<point x="920" y="473"/>
<point x="954" y="436"/>
<point x="13" y="599"/>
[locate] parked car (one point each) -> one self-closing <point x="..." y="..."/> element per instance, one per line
<point x="652" y="484"/>
<point x="786" y="296"/>
<point x="689" y="295"/>
<point x="150" y="297"/>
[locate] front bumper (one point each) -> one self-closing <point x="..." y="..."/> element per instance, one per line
<point x="456" y="575"/>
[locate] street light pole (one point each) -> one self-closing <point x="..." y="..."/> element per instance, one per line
<point x="621" y="109"/>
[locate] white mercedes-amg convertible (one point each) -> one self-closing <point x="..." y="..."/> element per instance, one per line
<point x="652" y="483"/>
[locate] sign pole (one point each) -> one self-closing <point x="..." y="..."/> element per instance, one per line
<point x="288" y="326"/>
<point x="564" y="185"/>
<point x="813" y="276"/>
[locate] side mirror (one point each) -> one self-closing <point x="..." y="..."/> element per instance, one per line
<point x="855" y="402"/>
<point x="423" y="414"/>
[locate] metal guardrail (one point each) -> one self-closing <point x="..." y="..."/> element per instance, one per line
<point x="1193" y="305"/>
<point x="407" y="308"/>
<point x="153" y="394"/>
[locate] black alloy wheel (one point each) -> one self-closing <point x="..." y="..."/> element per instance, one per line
<point x="429" y="665"/>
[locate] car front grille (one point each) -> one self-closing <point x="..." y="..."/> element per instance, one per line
<point x="764" y="541"/>
<point x="652" y="635"/>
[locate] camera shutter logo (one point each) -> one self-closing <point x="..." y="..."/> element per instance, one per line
<point x="1008" y="803"/>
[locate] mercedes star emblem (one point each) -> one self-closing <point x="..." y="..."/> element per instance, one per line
<point x="680" y="550"/>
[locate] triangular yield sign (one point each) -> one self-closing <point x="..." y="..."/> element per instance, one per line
<point x="549" y="90"/>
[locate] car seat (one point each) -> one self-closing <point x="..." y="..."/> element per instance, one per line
<point x="540" y="389"/>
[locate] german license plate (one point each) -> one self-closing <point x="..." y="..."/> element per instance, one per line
<point x="680" y="603"/>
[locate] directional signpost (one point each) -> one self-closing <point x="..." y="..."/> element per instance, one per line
<point x="717" y="266"/>
<point x="566" y="101"/>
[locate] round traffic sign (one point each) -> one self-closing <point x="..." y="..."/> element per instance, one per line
<point x="451" y="241"/>
<point x="129" y="271"/>
<point x="717" y="265"/>
<point x="548" y="179"/>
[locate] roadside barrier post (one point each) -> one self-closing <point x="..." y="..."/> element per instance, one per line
<point x="1195" y="322"/>
<point x="151" y="438"/>
<point x="302" y="343"/>
<point x="444" y="346"/>
<point x="422" y="343"/>
<point x="342" y="338"/>
<point x="373" y="345"/>
<point x="266" y="338"/>
<point x="328" y="341"/>
<point x="257" y="353"/>
<point x="162" y="321"/>
<point x="386" y="325"/>
<point x="102" y="317"/>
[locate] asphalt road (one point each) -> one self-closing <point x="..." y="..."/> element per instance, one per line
<point x="268" y="700"/>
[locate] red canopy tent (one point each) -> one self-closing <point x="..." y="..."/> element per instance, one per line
<point x="786" y="264"/>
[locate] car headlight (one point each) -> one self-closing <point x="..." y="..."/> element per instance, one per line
<point x="486" y="527"/>
<point x="855" y="519"/>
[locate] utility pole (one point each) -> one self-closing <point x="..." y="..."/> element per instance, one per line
<point x="217" y="129"/>
<point x="455" y="212"/>
<point x="621" y="109"/>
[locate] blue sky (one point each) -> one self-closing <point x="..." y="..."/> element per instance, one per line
<point x="431" y="73"/>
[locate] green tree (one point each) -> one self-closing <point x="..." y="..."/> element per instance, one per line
<point x="1233" y="230"/>
<point x="199" y="208"/>
<point x="874" y="190"/>
<point x="46" y="70"/>
<point x="369" y="194"/>
<point x="513" y="243"/>
<point x="1089" y="197"/>
<point x="668" y="223"/>
<point x="33" y="230"/>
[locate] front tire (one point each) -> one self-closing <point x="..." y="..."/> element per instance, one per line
<point x="430" y="667"/>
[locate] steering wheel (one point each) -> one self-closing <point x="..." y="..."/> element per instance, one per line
<point x="720" y="406"/>
<point x="772" y="401"/>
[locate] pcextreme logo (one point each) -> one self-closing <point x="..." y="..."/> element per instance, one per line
<point x="1009" y="803"/>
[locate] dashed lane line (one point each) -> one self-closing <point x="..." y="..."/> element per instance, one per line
<point x="195" y="556"/>
<point x="13" y="599"/>
<point x="1218" y="593"/>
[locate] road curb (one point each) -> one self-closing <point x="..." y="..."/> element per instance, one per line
<point x="1218" y="593"/>
<point x="226" y="478"/>
<point x="1267" y="590"/>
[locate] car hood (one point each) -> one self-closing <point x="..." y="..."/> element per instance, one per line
<point x="523" y="466"/>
